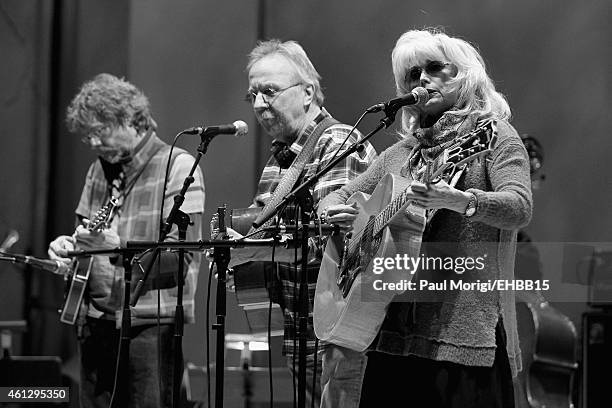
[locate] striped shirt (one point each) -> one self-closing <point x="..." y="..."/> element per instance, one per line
<point x="287" y="279"/>
<point x="140" y="190"/>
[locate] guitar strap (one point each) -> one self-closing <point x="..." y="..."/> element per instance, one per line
<point x="292" y="175"/>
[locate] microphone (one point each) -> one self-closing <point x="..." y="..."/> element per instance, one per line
<point x="418" y="96"/>
<point x="239" y="128"/>
<point x="48" y="265"/>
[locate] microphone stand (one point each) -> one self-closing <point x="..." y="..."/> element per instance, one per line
<point x="221" y="256"/>
<point x="182" y="221"/>
<point x="302" y="195"/>
<point x="222" y="259"/>
<point x="305" y="203"/>
<point x="176" y="216"/>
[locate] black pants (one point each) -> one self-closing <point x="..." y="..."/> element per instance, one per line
<point x="399" y="381"/>
<point x="99" y="347"/>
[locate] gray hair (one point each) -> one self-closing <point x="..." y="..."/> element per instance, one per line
<point x="294" y="53"/>
<point x="476" y="91"/>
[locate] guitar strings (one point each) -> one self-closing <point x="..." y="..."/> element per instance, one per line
<point x="396" y="204"/>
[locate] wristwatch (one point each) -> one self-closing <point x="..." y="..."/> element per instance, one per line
<point x="472" y="206"/>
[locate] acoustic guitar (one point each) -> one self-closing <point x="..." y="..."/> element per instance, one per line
<point x="81" y="267"/>
<point x="348" y="311"/>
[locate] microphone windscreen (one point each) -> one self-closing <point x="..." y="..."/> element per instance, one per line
<point x="422" y="95"/>
<point x="241" y="128"/>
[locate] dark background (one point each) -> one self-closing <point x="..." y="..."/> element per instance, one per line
<point x="550" y="58"/>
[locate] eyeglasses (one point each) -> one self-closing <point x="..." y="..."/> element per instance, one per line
<point x="430" y="68"/>
<point x="268" y="93"/>
<point x="94" y="138"/>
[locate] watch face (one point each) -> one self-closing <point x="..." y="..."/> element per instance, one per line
<point x="471" y="207"/>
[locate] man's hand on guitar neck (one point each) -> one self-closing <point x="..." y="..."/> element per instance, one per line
<point x="90" y="240"/>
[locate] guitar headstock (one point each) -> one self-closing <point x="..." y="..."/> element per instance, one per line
<point x="465" y="149"/>
<point x="218" y="224"/>
<point x="104" y="216"/>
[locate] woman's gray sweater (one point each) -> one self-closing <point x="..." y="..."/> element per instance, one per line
<point x="459" y="325"/>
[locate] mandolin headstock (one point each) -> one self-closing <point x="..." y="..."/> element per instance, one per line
<point x="104" y="216"/>
<point x="468" y="148"/>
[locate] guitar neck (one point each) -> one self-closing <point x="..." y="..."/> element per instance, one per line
<point x="453" y="159"/>
<point x="396" y="205"/>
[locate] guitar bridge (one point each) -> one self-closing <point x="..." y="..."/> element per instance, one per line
<point x="345" y="248"/>
<point x="347" y="279"/>
<point x="341" y="279"/>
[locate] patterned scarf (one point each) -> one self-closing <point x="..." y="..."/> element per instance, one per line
<point x="433" y="140"/>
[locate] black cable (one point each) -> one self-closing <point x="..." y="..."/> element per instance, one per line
<point x="295" y="305"/>
<point x="116" y="375"/>
<point x="209" y="285"/>
<point x="349" y="134"/>
<point x="158" y="261"/>
<point x="159" y="355"/>
<point x="117" y="362"/>
<point x="270" y="326"/>
<point x="163" y="197"/>
<point x="210" y="274"/>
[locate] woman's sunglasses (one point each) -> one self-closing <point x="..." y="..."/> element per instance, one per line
<point x="430" y="68"/>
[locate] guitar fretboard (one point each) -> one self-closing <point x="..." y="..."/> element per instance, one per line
<point x="460" y="152"/>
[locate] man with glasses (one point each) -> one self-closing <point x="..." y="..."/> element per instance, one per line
<point x="115" y="121"/>
<point x="439" y="346"/>
<point x="287" y="100"/>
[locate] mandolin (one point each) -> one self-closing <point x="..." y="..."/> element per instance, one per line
<point x="81" y="267"/>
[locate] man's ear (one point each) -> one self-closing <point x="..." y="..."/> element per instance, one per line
<point x="309" y="92"/>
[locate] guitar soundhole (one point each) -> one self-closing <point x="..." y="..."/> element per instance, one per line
<point x="358" y="258"/>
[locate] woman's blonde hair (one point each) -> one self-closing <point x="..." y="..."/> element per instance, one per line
<point x="476" y="91"/>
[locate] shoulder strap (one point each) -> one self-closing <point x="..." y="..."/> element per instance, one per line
<point x="293" y="173"/>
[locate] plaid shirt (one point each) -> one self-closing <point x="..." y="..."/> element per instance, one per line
<point x="137" y="218"/>
<point x="287" y="279"/>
